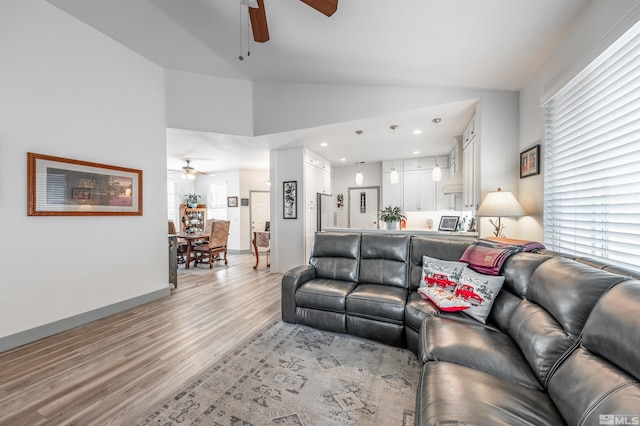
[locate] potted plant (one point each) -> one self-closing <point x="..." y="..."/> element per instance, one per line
<point x="191" y="200"/>
<point x="392" y="216"/>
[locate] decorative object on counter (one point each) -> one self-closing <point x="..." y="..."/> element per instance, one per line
<point x="436" y="174"/>
<point x="501" y="204"/>
<point x="340" y="201"/>
<point x="290" y="199"/>
<point x="472" y="225"/>
<point x="191" y="200"/>
<point x="359" y="176"/>
<point x="392" y="216"/>
<point x="403" y="223"/>
<point x="59" y="186"/>
<point x="232" y="201"/>
<point x="530" y="162"/>
<point x="448" y="223"/>
<point x="393" y="176"/>
<point x="429" y="223"/>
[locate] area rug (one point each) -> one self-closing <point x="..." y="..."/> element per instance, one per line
<point x="295" y="375"/>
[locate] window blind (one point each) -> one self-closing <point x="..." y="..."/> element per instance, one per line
<point x="592" y="159"/>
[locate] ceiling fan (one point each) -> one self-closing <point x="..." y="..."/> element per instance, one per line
<point x="188" y="172"/>
<point x="258" y="16"/>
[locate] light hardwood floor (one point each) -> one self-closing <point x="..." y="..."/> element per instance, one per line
<point x="115" y="369"/>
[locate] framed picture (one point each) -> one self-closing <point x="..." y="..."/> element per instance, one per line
<point x="448" y="223"/>
<point x="530" y="161"/>
<point x="290" y="199"/>
<point x="232" y="201"/>
<point x="244" y="201"/>
<point x="64" y="187"/>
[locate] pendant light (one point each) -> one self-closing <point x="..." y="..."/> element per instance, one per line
<point x="436" y="174"/>
<point x="359" y="177"/>
<point x="393" y="176"/>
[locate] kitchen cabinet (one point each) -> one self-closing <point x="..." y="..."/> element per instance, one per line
<point x="418" y="190"/>
<point x="469" y="175"/>
<point x="318" y="179"/>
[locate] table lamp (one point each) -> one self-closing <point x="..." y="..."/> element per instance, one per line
<point x="501" y="204"/>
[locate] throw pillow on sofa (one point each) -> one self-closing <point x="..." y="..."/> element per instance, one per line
<point x="480" y="291"/>
<point x="439" y="282"/>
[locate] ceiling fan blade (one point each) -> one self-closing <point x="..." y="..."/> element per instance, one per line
<point x="259" y="23"/>
<point x="326" y="7"/>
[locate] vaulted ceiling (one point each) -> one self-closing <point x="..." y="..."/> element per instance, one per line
<point x="488" y="44"/>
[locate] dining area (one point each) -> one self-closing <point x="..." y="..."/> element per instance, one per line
<point x="208" y="245"/>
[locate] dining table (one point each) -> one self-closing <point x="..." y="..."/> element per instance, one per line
<point x="190" y="239"/>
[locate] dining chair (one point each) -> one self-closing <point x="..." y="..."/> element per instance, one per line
<point x="182" y="245"/>
<point x="217" y="245"/>
<point x="261" y="240"/>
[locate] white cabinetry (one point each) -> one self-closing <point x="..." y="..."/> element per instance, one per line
<point x="318" y="179"/>
<point x="470" y="172"/>
<point x="419" y="190"/>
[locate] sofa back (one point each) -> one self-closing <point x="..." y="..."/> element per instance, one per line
<point x="439" y="248"/>
<point x="558" y="301"/>
<point x="384" y="259"/>
<point x="602" y="376"/>
<point x="336" y="255"/>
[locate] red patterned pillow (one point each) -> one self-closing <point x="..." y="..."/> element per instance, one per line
<point x="439" y="282"/>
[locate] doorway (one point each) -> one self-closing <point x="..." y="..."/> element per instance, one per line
<point x="259" y="212"/>
<point x="364" y="207"/>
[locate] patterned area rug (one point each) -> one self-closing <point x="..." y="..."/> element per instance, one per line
<point x="295" y="375"/>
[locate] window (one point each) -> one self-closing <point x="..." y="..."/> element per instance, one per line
<point x="172" y="203"/>
<point x="217" y="202"/>
<point x="592" y="159"/>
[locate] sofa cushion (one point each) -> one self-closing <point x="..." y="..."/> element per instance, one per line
<point x="325" y="294"/>
<point x="475" y="346"/>
<point x="439" y="248"/>
<point x="480" y="291"/>
<point x="379" y="302"/>
<point x="336" y="256"/>
<point x="602" y="376"/>
<point x="384" y="259"/>
<point x="451" y="394"/>
<point x="560" y="297"/>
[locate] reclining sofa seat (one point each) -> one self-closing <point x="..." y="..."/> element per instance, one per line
<point x="514" y="366"/>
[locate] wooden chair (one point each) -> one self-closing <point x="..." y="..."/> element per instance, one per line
<point x="216" y="246"/>
<point x="261" y="241"/>
<point x="182" y="245"/>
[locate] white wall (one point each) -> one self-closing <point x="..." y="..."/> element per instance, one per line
<point x="601" y="24"/>
<point x="70" y="91"/>
<point x="209" y="103"/>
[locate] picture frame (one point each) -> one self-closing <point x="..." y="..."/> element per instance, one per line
<point x="232" y="201"/>
<point x="448" y="223"/>
<point x="530" y="162"/>
<point x="58" y="186"/>
<point x="244" y="201"/>
<point x="290" y="199"/>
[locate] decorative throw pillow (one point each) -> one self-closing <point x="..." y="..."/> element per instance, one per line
<point x="480" y="291"/>
<point x="439" y="282"/>
<point x="443" y="299"/>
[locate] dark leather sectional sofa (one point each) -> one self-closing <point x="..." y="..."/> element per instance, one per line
<point x="561" y="344"/>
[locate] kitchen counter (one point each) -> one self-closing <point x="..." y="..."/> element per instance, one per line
<point x="411" y="231"/>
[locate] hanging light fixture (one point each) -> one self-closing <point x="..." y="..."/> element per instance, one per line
<point x="188" y="172"/>
<point x="393" y="176"/>
<point x="436" y="174"/>
<point x="359" y="177"/>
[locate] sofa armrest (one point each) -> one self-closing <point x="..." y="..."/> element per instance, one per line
<point x="291" y="280"/>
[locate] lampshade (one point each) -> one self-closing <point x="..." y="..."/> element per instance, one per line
<point x="500" y="203"/>
<point x="436" y="174"/>
<point x="393" y="176"/>
<point x="359" y="178"/>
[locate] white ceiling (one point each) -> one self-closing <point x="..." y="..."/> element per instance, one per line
<point x="488" y="44"/>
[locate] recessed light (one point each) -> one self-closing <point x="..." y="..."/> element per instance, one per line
<point x="416" y="152"/>
<point x="343" y="159"/>
<point x="324" y="144"/>
<point x="417" y="131"/>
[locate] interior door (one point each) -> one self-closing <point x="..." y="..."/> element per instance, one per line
<point x="364" y="207"/>
<point x="259" y="211"/>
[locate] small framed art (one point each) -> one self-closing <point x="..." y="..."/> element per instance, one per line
<point x="290" y="199"/>
<point x="530" y="161"/>
<point x="448" y="223"/>
<point x="232" y="201"/>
